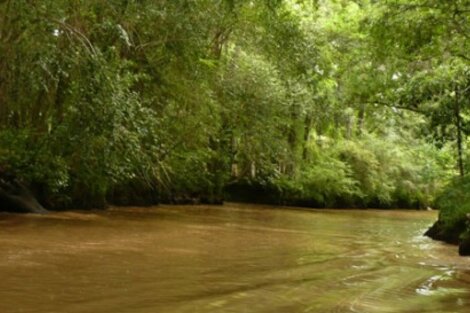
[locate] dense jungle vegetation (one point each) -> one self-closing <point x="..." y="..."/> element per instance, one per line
<point x="325" y="103"/>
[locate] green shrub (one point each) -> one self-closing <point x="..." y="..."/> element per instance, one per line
<point x="454" y="205"/>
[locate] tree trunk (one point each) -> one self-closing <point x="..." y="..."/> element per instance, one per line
<point x="15" y="197"/>
<point x="361" y="119"/>
<point x="307" y="128"/>
<point x="458" y="122"/>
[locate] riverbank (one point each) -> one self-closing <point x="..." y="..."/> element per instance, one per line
<point x="286" y="194"/>
<point x="244" y="191"/>
<point x="453" y="224"/>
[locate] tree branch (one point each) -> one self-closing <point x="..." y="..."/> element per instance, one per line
<point x="396" y="106"/>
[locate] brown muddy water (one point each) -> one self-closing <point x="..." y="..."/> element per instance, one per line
<point x="232" y="258"/>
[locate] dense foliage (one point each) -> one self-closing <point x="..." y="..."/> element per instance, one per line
<point x="323" y="103"/>
<point x="427" y="41"/>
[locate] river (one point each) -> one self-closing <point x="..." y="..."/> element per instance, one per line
<point x="232" y="258"/>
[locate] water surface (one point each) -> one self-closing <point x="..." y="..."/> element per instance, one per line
<point x="232" y="258"/>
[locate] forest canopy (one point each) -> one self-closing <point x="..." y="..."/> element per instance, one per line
<point x="322" y="103"/>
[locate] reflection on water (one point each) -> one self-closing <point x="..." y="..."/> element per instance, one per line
<point x="235" y="258"/>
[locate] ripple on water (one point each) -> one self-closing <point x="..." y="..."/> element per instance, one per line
<point x="237" y="258"/>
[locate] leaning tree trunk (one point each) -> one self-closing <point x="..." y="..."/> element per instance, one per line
<point x="16" y="197"/>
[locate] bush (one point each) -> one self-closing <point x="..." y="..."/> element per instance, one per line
<point x="454" y="205"/>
